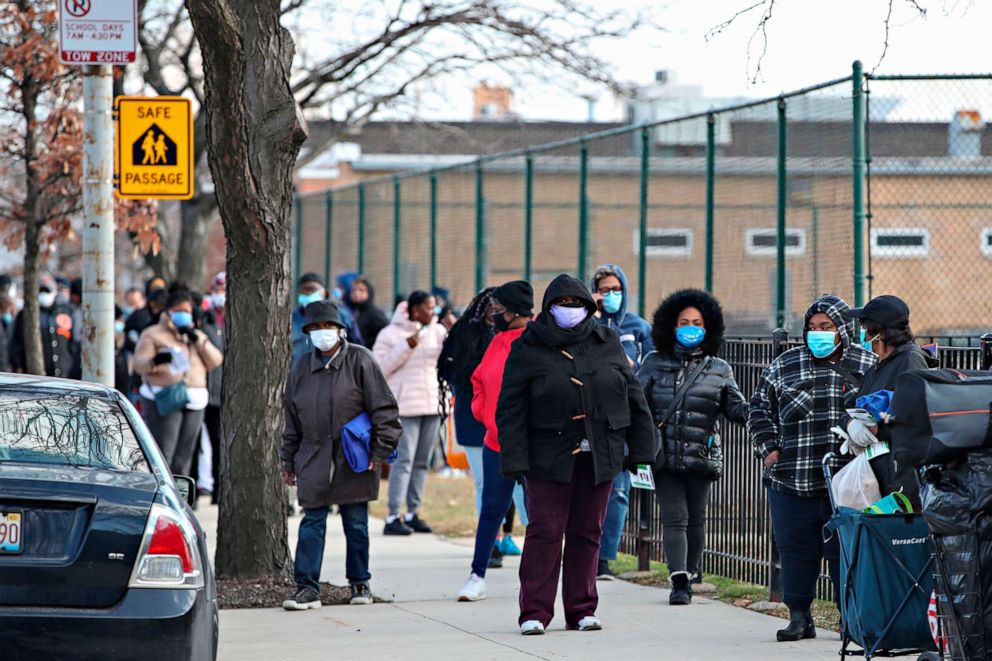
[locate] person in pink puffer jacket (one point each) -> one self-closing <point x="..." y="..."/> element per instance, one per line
<point x="407" y="350"/>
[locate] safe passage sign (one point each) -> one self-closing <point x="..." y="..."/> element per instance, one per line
<point x="154" y="154"/>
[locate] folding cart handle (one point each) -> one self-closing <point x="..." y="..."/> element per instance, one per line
<point x="827" y="458"/>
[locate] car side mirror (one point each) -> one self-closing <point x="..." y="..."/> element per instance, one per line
<point x="187" y="489"/>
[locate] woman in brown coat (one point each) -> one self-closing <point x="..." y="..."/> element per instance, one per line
<point x="173" y="359"/>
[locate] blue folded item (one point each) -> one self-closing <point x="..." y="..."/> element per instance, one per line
<point x="356" y="442"/>
<point x="876" y="403"/>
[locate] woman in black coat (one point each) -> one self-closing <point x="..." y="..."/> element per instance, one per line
<point x="568" y="404"/>
<point x="688" y="331"/>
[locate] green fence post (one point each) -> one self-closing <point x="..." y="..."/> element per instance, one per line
<point x="298" y="248"/>
<point x="528" y="214"/>
<point x="780" y="303"/>
<point x="397" y="237"/>
<point x="857" y="190"/>
<point x="583" y="210"/>
<point x="433" y="214"/>
<point x="361" y="228"/>
<point x="328" y="221"/>
<point x="480" y="229"/>
<point x="642" y="223"/>
<point x="710" y="178"/>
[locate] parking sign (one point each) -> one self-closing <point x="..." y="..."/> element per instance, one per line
<point x="98" y="31"/>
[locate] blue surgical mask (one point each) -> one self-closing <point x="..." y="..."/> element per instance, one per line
<point x="306" y="299"/>
<point x="118" y="327"/>
<point x="181" y="319"/>
<point x="438" y="310"/>
<point x="568" y="318"/>
<point x="821" y="343"/>
<point x="690" y="336"/>
<point x="612" y="302"/>
<point x="865" y="343"/>
<point x="8" y="318"/>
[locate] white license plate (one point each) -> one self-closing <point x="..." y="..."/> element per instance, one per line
<point x="11" y="532"/>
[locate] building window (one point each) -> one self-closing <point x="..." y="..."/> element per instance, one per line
<point x="666" y="242"/>
<point x="900" y="242"/>
<point x="987" y="241"/>
<point x="763" y="242"/>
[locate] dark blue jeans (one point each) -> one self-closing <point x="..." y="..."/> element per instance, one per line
<point x="616" y="516"/>
<point x="310" y="546"/>
<point x="798" y="525"/>
<point x="497" y="494"/>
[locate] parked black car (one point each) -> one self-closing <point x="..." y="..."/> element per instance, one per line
<point x="100" y="555"/>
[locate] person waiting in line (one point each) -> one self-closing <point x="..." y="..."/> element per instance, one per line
<point x="370" y="318"/>
<point x="568" y="404"/>
<point x="57" y="332"/>
<point x="688" y="388"/>
<point x="407" y="350"/>
<point x="330" y="387"/>
<point x="134" y="299"/>
<point x="800" y="396"/>
<point x="885" y="324"/>
<point x="214" y="325"/>
<point x="609" y="290"/>
<point x="512" y="306"/>
<point x="173" y="358"/>
<point x="310" y="289"/>
<point x="156" y="291"/>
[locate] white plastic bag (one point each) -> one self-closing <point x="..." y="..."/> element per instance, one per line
<point x="855" y="485"/>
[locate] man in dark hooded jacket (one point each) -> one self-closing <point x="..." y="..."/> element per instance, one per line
<point x="801" y="395"/>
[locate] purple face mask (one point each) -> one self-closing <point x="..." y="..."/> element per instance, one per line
<point x="568" y="318"/>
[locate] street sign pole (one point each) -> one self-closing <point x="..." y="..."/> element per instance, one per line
<point x="98" y="225"/>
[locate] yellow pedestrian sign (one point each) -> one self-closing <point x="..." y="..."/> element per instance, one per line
<point x="154" y="148"/>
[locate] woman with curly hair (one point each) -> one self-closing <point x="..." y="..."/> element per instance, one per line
<point x="688" y="388"/>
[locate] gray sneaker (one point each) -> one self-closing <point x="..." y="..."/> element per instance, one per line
<point x="361" y="594"/>
<point x="303" y="599"/>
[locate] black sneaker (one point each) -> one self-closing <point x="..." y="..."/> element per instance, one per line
<point x="361" y="594"/>
<point x="496" y="559"/>
<point x="416" y="524"/>
<point x="396" y="527"/>
<point x="697" y="578"/>
<point x="604" y="573"/>
<point x="681" y="594"/>
<point x="303" y="599"/>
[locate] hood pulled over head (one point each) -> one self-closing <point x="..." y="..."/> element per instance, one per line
<point x="834" y="307"/>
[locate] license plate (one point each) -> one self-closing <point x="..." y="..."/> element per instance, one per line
<point x="11" y="532"/>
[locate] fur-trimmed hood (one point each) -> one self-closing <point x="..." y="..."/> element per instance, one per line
<point x="667" y="315"/>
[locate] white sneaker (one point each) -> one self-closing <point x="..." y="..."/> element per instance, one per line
<point x="590" y="623"/>
<point x="532" y="628"/>
<point x="474" y="590"/>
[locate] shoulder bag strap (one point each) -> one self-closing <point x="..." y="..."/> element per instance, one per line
<point x="681" y="392"/>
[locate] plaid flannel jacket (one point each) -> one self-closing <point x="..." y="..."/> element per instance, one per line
<point x="798" y="399"/>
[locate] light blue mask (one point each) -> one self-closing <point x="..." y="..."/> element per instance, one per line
<point x="438" y="310"/>
<point x="181" y="319"/>
<point x="118" y="327"/>
<point x="612" y="302"/>
<point x="8" y="318"/>
<point x="690" y="336"/>
<point x="821" y="343"/>
<point x="865" y="343"/>
<point x="306" y="299"/>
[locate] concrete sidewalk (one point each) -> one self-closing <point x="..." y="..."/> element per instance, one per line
<point x="422" y="574"/>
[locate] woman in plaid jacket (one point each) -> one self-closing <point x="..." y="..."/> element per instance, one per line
<point x="800" y="396"/>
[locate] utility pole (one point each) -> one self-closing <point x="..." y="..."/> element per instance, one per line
<point x="98" y="224"/>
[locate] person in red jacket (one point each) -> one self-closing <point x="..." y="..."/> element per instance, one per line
<point x="512" y="308"/>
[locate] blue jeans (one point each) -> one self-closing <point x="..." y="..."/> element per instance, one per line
<point x="474" y="455"/>
<point x="310" y="546"/>
<point x="497" y="494"/>
<point x="616" y="516"/>
<point x="798" y="526"/>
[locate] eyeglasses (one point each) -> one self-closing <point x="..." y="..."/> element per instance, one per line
<point x="603" y="291"/>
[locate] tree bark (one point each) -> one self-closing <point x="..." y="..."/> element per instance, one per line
<point x="34" y="357"/>
<point x="197" y="215"/>
<point x="254" y="132"/>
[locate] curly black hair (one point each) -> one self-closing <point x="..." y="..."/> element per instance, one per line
<point x="667" y="315"/>
<point x="466" y="342"/>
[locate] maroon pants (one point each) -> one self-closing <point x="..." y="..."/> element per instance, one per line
<point x="576" y="511"/>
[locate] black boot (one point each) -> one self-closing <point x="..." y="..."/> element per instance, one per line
<point x="681" y="594"/>
<point x="800" y="626"/>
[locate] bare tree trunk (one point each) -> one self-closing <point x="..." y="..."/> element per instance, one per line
<point x="254" y="132"/>
<point x="162" y="262"/>
<point x="197" y="216"/>
<point x="34" y="358"/>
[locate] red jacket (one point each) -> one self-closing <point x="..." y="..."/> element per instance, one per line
<point x="486" y="382"/>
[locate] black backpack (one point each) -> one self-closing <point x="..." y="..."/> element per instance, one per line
<point x="940" y="415"/>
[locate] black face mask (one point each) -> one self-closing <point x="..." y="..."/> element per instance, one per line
<point x="500" y="323"/>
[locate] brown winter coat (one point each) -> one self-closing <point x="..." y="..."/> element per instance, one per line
<point x="203" y="356"/>
<point x="319" y="401"/>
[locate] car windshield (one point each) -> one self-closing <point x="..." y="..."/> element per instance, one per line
<point x="67" y="429"/>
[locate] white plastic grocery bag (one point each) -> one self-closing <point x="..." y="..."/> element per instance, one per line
<point x="855" y="484"/>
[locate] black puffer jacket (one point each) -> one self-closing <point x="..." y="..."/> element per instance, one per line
<point x="561" y="387"/>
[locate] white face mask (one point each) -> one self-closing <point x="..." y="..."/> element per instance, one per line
<point x="325" y="339"/>
<point x="46" y="299"/>
<point x="218" y="300"/>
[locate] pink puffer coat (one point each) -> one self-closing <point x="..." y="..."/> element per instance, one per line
<point x="411" y="373"/>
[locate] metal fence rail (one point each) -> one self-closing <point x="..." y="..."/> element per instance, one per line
<point x="739" y="541"/>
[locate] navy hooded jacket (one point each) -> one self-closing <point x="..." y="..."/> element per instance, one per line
<point x="635" y="333"/>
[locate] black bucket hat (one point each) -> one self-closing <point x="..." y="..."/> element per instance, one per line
<point x="320" y="312"/>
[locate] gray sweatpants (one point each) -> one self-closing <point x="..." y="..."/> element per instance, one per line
<point x="408" y="474"/>
<point x="176" y="435"/>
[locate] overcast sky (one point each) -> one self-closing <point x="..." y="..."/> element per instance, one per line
<point x="808" y="41"/>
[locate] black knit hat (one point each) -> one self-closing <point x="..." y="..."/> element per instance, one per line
<point x="517" y="296"/>
<point x="310" y="277"/>
<point x="320" y="312"/>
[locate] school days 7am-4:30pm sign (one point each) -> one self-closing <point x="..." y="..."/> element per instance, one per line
<point x="153" y="157"/>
